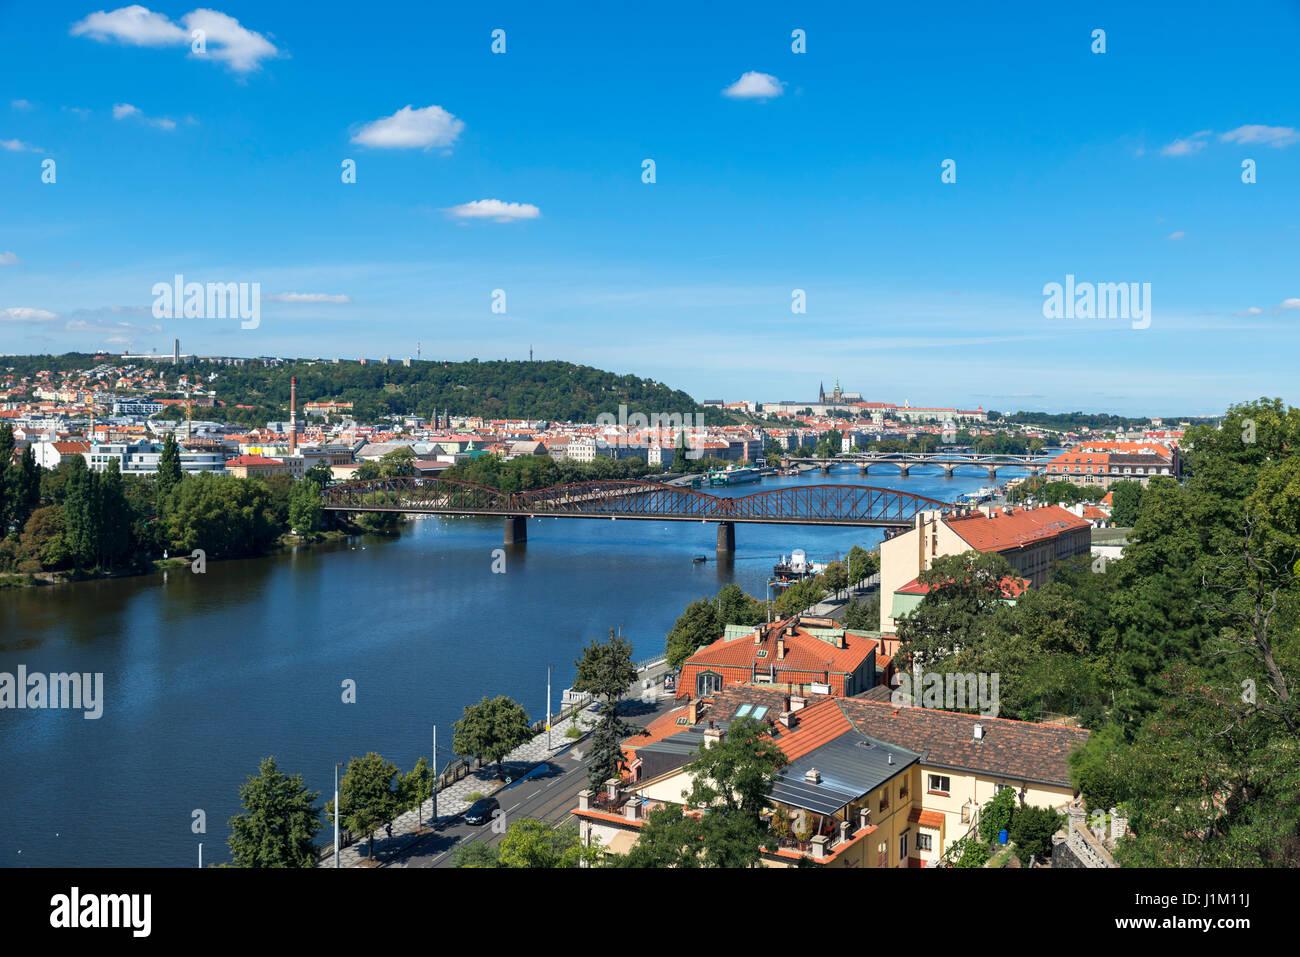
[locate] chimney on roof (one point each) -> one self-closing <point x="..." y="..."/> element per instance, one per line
<point x="798" y="702"/>
<point x="785" y="703"/>
<point x="789" y="629"/>
<point x="293" y="415"/>
<point x="889" y="758"/>
<point x="780" y="649"/>
<point x="812" y="776"/>
<point x="788" y="719"/>
<point x="758" y="634"/>
<point x="713" y="736"/>
<point x="979" y="731"/>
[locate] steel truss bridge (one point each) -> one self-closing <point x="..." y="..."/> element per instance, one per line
<point x="636" y="500"/>
<point x="950" y="461"/>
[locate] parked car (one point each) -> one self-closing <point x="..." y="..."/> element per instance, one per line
<point x="480" y="812"/>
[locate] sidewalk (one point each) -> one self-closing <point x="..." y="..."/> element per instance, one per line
<point x="454" y="799"/>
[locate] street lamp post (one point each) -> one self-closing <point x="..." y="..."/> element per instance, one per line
<point x="336" y="815"/>
<point x="434" y="785"/>
<point x="549" y="668"/>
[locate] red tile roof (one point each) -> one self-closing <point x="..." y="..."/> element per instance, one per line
<point x="1012" y="587"/>
<point x="815" y="726"/>
<point x="1022" y="527"/>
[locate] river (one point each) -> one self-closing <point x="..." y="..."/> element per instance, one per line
<point x="204" y="675"/>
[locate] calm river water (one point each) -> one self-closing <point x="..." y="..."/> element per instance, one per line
<point x="204" y="675"/>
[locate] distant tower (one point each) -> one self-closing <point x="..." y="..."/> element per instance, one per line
<point x="417" y="350"/>
<point x="821" y="393"/>
<point x="176" y="352"/>
<point x="530" y="353"/>
<point x="293" y="415"/>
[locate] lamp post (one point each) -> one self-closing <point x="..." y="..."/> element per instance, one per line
<point x="434" y="783"/>
<point x="549" y="669"/>
<point x="336" y="816"/>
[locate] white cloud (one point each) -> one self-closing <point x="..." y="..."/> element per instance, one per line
<point x="495" y="210"/>
<point x="1292" y="303"/>
<point x="1275" y="136"/>
<point x="9" y="259"/>
<point x="134" y="25"/>
<point x="1177" y="234"/>
<point x="78" y="111"/>
<point x="1251" y="311"/>
<point x="23" y="105"/>
<point x="122" y="111"/>
<point x="1187" y="146"/>
<point x="426" y="127"/>
<point x="306" y="297"/>
<point x="754" y="86"/>
<point x="26" y="314"/>
<point x="18" y="146"/>
<point x="224" y="38"/>
<point x="241" y="49"/>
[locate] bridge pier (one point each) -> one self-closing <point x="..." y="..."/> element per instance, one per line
<point x="864" y="469"/>
<point x="516" y="529"/>
<point x="903" y="470"/>
<point x="826" y="470"/>
<point x="948" y="470"/>
<point x="993" y="473"/>
<point x="726" y="538"/>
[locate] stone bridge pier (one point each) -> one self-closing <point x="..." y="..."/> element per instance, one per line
<point x="904" y="470"/>
<point x="993" y="472"/>
<point x="726" y="538"/>
<point x="516" y="529"/>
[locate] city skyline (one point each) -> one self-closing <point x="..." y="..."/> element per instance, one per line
<point x="775" y="171"/>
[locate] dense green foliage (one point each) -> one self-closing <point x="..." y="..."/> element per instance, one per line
<point x="703" y="621"/>
<point x="605" y="671"/>
<point x="491" y="729"/>
<point x="368" y="796"/>
<point x="529" y="843"/>
<point x="278" y="823"/>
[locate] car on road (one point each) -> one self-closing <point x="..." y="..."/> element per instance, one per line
<point x="480" y="812"/>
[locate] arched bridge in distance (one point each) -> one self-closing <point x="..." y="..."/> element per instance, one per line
<point x="636" y="500"/>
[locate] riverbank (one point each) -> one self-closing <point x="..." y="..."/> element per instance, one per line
<point x="73" y="576"/>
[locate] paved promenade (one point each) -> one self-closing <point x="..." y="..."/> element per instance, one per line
<point x="454" y="800"/>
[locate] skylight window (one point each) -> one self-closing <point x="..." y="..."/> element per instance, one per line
<point x="743" y="710"/>
<point x="760" y="711"/>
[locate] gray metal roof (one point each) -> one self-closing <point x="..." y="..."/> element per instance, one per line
<point x="850" y="765"/>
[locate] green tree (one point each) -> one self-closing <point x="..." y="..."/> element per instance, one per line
<point x="605" y="671"/>
<point x="169" y="473"/>
<point x="862" y="563"/>
<point x="279" y="821"/>
<point x="81" y="514"/>
<point x="696" y="627"/>
<point x="668" y="838"/>
<point x="540" y="844"/>
<point x="1032" y="829"/>
<point x="368" y="797"/>
<point x="114" y="519"/>
<point x="996" y="815"/>
<point x="735" y="607"/>
<point x="305" y="509"/>
<point x="476" y="854"/>
<point x="1126" y="502"/>
<point x="731" y="782"/>
<point x="490" y="730"/>
<point x="415" y="786"/>
<point x="964" y="590"/>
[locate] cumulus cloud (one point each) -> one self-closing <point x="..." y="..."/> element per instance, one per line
<point x="1251" y="311"/>
<point x="1292" y="303"/>
<point x="134" y="25"/>
<point x="18" y="146"/>
<point x="224" y="38"/>
<point x="241" y="49"/>
<point x="1176" y="234"/>
<point x="26" y="314"/>
<point x="122" y="111"/>
<point x="306" y="297"/>
<point x="9" y="259"/>
<point x="1275" y="136"/>
<point x="755" y="86"/>
<point x="409" y="128"/>
<point x="495" y="210"/>
<point x="23" y="105"/>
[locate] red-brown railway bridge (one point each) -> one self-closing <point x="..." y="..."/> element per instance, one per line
<point x="636" y="500"/>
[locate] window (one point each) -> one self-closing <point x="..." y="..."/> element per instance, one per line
<point x="708" y="682"/>
<point x="902" y="790"/>
<point x="939" y="784"/>
<point x="902" y="847"/>
<point x="924" y="842"/>
<point x="965" y="814"/>
<point x="884" y="801"/>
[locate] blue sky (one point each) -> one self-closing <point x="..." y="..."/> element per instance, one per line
<point x="1123" y="166"/>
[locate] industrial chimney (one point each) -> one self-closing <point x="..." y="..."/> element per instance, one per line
<point x="293" y="415"/>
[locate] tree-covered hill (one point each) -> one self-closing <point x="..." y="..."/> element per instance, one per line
<point x="555" y="391"/>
